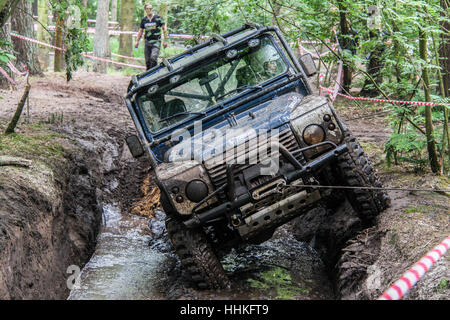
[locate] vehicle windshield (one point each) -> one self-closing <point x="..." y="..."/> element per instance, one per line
<point x="215" y="81"/>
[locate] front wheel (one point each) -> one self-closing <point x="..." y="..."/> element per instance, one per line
<point x="195" y="252"/>
<point x="355" y="170"/>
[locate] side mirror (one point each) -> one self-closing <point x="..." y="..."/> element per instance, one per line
<point x="135" y="146"/>
<point x="308" y="64"/>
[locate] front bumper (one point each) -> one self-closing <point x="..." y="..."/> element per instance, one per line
<point x="227" y="208"/>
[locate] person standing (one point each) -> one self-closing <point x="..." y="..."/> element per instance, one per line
<point x="151" y="26"/>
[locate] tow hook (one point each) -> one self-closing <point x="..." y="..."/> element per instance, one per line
<point x="235" y="220"/>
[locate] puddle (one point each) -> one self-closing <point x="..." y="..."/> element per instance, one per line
<point x="123" y="265"/>
<point x="134" y="260"/>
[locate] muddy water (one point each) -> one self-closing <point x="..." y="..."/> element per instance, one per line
<point x="134" y="260"/>
<point x="123" y="265"/>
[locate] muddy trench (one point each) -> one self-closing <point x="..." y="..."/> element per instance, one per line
<point x="124" y="256"/>
<point x="133" y="257"/>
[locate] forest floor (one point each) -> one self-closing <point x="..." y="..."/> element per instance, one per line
<point x="90" y="109"/>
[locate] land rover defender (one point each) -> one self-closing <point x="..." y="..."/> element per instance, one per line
<point x="239" y="145"/>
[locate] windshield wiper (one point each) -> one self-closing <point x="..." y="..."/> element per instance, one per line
<point x="245" y="86"/>
<point x="180" y="114"/>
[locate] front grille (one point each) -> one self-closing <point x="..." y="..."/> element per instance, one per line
<point x="217" y="168"/>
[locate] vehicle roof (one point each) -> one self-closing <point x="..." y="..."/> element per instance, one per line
<point x="193" y="55"/>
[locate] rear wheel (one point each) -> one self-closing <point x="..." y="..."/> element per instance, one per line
<point x="195" y="252"/>
<point x="355" y="170"/>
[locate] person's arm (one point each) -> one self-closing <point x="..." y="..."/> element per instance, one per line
<point x="139" y="35"/>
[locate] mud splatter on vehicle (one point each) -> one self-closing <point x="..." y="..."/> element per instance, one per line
<point x="238" y="141"/>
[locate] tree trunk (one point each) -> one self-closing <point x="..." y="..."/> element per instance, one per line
<point x="22" y="23"/>
<point x="5" y="33"/>
<point x="42" y="34"/>
<point x="34" y="8"/>
<point x="101" y="37"/>
<point x="57" y="65"/>
<point x="374" y="67"/>
<point x="444" y="49"/>
<point x="276" y="12"/>
<point x="126" y="24"/>
<point x="431" y="145"/>
<point x="113" y="10"/>
<point x="345" y="45"/>
<point x="6" y="8"/>
<point x="12" y="125"/>
<point x="164" y="12"/>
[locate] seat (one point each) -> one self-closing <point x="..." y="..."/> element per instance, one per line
<point x="243" y="75"/>
<point x="173" y="107"/>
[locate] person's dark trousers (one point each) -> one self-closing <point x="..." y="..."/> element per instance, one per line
<point x="151" y="54"/>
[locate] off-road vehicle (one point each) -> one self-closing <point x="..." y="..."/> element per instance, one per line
<point x="240" y="145"/>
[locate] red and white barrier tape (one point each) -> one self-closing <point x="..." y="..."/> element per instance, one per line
<point x="6" y="75"/>
<point x="113" y="62"/>
<point x="413" y="275"/>
<point x="35" y="41"/>
<point x="420" y="103"/>
<point x="126" y="57"/>
<point x="14" y="70"/>
<point x="83" y="54"/>
<point x="314" y="55"/>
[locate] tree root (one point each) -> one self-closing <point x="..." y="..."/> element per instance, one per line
<point x="14" y="161"/>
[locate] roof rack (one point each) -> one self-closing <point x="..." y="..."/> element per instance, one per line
<point x="220" y="38"/>
<point x="170" y="64"/>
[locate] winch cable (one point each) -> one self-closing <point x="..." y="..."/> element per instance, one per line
<point x="314" y="186"/>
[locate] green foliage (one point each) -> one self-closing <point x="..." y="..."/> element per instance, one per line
<point x="75" y="39"/>
<point x="35" y="141"/>
<point x="280" y="281"/>
<point x="391" y="35"/>
<point x="443" y="285"/>
<point x="409" y="143"/>
<point x="5" y="56"/>
<point x="56" y="118"/>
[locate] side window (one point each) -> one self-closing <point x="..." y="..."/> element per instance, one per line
<point x="194" y="97"/>
<point x="226" y="79"/>
<point x="151" y="116"/>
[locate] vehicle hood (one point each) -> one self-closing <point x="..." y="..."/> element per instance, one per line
<point x="234" y="130"/>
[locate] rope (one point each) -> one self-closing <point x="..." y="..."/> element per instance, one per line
<point x="368" y="188"/>
<point x="83" y="54"/>
<point x="420" y="103"/>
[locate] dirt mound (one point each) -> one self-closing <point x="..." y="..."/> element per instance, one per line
<point x="49" y="218"/>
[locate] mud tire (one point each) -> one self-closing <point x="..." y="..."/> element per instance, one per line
<point x="354" y="170"/>
<point x="195" y="253"/>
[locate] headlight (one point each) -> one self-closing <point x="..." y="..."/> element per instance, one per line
<point x="186" y="184"/>
<point x="252" y="43"/>
<point x="196" y="190"/>
<point x="313" y="134"/>
<point x="231" y="53"/>
<point x="153" y="89"/>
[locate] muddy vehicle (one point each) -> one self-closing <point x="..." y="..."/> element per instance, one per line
<point x="240" y="145"/>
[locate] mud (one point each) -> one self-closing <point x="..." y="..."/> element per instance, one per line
<point x="51" y="212"/>
<point x="49" y="217"/>
<point x="280" y="268"/>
